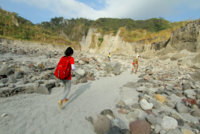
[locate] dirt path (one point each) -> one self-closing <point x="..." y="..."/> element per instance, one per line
<point x="39" y="114"/>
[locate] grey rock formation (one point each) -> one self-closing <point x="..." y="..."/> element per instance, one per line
<point x="187" y="37"/>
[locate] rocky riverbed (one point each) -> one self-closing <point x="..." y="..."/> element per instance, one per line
<point x="29" y="68"/>
<point x="163" y="98"/>
<point x="167" y="101"/>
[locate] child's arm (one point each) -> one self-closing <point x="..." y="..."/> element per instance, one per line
<point x="72" y="63"/>
<point x="73" y="67"/>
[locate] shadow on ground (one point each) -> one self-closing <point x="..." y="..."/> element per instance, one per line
<point x="77" y="93"/>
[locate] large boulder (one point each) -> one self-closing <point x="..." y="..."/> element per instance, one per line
<point x="101" y="124"/>
<point x="117" y="68"/>
<point x="46" y="88"/>
<point x="114" y="68"/>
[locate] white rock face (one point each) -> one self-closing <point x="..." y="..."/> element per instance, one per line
<point x="169" y="123"/>
<point x="145" y="104"/>
<point x="111" y="43"/>
<point x="86" y="41"/>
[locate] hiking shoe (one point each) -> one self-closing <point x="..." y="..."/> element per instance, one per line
<point x="65" y="100"/>
<point x="60" y="104"/>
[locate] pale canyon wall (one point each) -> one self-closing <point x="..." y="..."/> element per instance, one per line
<point x="187" y="37"/>
<point x="110" y="43"/>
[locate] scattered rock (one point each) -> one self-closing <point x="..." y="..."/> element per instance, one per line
<point x="114" y="68"/>
<point x="186" y="131"/>
<point x="12" y="79"/>
<point x="174" y="131"/>
<point x="121" y="104"/>
<point x="43" y="89"/>
<point x="101" y="124"/>
<point x="169" y="123"/>
<point x="80" y="72"/>
<point x="147" y="77"/>
<point x="19" y="74"/>
<point x="157" y="128"/>
<point x="160" y="98"/>
<point x="125" y="131"/>
<point x="190" y="102"/>
<point x="177" y="56"/>
<point x="186" y="86"/>
<point x="4" y="80"/>
<point x="190" y="93"/>
<point x="4" y="115"/>
<point x="151" y="119"/>
<point x="108" y="113"/>
<point x="181" y="108"/>
<point x="196" y="111"/>
<point x="155" y="103"/>
<point x="195" y="76"/>
<point x="117" y="68"/>
<point x="114" y="130"/>
<point x="133" y="116"/>
<point x="145" y="105"/>
<point x="189" y="118"/>
<point x="86" y="60"/>
<point x="123" y="111"/>
<point x="6" y="70"/>
<point x="140" y="127"/>
<point x="118" y="122"/>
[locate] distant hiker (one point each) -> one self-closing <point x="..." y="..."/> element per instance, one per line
<point x="109" y="56"/>
<point x="135" y="64"/>
<point x="63" y="72"/>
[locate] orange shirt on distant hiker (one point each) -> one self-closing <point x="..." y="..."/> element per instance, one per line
<point x="135" y="64"/>
<point x="135" y="61"/>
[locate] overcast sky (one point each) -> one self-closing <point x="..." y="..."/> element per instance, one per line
<point x="43" y="10"/>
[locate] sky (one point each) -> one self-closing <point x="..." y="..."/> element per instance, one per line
<point x="38" y="11"/>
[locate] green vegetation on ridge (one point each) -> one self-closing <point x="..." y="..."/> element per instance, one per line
<point x="111" y="24"/>
<point x="63" y="31"/>
<point x="15" y="27"/>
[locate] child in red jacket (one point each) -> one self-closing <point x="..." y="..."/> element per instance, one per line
<point x="67" y="82"/>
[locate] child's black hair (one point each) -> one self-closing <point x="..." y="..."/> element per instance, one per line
<point x="69" y="51"/>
